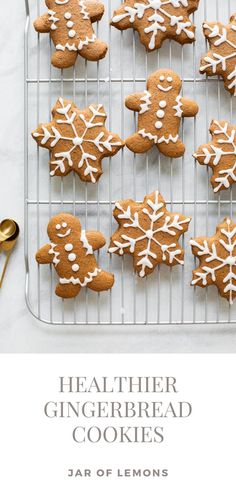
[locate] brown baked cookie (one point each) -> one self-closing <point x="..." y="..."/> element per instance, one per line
<point x="217" y="256"/>
<point x="221" y="59"/>
<point x="160" y="109"/>
<point x="71" y="251"/>
<point x="220" y="154"/>
<point x="149" y="233"/>
<point x="69" y="23"/>
<point x="157" y="20"/>
<point x="78" y="140"/>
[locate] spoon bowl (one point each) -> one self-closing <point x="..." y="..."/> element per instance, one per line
<point x="7" y="229"/>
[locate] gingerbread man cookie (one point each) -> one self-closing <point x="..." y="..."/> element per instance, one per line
<point x="221" y="59"/>
<point x="149" y="233"/>
<point x="78" y="140"/>
<point x="157" y="20"/>
<point x="160" y="109"/>
<point x="69" y="23"/>
<point x="71" y="251"/>
<point x="220" y="154"/>
<point x="217" y="256"/>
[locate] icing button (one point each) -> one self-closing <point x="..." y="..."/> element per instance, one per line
<point x="162" y="78"/>
<point x="149" y="234"/>
<point x="160" y="114"/>
<point x="70" y="24"/>
<point x="158" y="125"/>
<point x="72" y="33"/>
<point x="58" y="226"/>
<point x="72" y="257"/>
<point x="77" y="141"/>
<point x="68" y="247"/>
<point x="68" y="15"/>
<point x="75" y="267"/>
<point x="162" y="104"/>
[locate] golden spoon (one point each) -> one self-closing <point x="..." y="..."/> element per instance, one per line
<point x="8" y="246"/>
<point x="7" y="229"/>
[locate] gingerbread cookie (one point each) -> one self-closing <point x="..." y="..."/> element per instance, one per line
<point x="221" y="59"/>
<point x="78" y="140"/>
<point x="149" y="233"/>
<point x="157" y="20"/>
<point x="69" y="23"/>
<point x="220" y="155"/>
<point x="217" y="256"/>
<point x="160" y="109"/>
<point x="71" y="251"/>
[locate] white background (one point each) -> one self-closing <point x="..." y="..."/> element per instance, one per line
<point x="199" y="452"/>
<point x="19" y="332"/>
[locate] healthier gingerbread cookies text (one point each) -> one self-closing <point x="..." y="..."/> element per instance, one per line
<point x="69" y="23"/>
<point x="160" y="110"/>
<point x="221" y="59"/>
<point x="78" y="140"/>
<point x="157" y="20"/>
<point x="71" y="251"/>
<point x="149" y="233"/>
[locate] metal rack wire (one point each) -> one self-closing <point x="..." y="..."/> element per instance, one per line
<point x="166" y="296"/>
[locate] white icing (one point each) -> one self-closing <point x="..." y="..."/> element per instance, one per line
<point x="162" y="139"/>
<point x="219" y="62"/>
<point x="160" y="114"/>
<point x="165" y="90"/>
<point x="158" y="125"/>
<point x="84" y="11"/>
<point x="68" y="232"/>
<point x="162" y="78"/>
<point x="62" y="48"/>
<point x="217" y="154"/>
<point x="53" y="19"/>
<point x="72" y="257"/>
<point x="221" y="263"/>
<point x="76" y="281"/>
<point x="156" y="20"/>
<point x="67" y="15"/>
<point x="52" y="250"/>
<point x="86" y="245"/>
<point x="169" y="79"/>
<point x="72" y="33"/>
<point x="162" y="104"/>
<point x="146" y="99"/>
<point x="58" y="226"/>
<point x="69" y="247"/>
<point x="70" y="24"/>
<point x="75" y="267"/>
<point x="86" y="41"/>
<point x="61" y="2"/>
<point x="158" y="223"/>
<point x="178" y="107"/>
<point x="102" y="142"/>
<point x="64" y="225"/>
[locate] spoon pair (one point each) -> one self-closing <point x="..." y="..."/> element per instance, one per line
<point x="9" y="233"/>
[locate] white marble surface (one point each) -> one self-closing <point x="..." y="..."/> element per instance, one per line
<point x="19" y="331"/>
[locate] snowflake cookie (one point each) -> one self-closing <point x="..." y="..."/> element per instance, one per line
<point x="220" y="155"/>
<point x="221" y="59"/>
<point x="160" y="110"/>
<point x="69" y="23"/>
<point x="217" y="256"/>
<point x="78" y="140"/>
<point x="71" y="251"/>
<point x="149" y="233"/>
<point x="157" y="20"/>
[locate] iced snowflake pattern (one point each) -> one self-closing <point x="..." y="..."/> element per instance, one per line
<point x="156" y="20"/>
<point x="217" y="257"/>
<point x="221" y="59"/>
<point x="220" y="155"/>
<point x="78" y="140"/>
<point x="149" y="233"/>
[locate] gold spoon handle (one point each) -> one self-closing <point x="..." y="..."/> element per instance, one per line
<point x="5" y="268"/>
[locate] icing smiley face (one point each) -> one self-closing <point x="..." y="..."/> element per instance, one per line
<point x="62" y="230"/>
<point x="165" y="83"/>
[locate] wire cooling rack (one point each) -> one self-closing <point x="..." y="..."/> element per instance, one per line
<point x="166" y="296"/>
